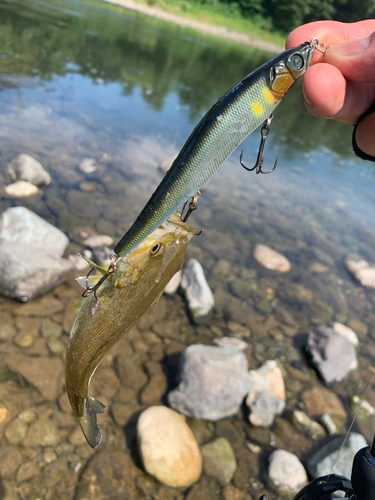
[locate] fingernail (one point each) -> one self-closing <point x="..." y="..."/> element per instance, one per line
<point x="351" y="48"/>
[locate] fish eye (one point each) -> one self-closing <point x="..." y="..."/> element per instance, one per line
<point x="296" y="62"/>
<point x="156" y="249"/>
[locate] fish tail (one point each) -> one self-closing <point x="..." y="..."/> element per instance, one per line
<point x="89" y="421"/>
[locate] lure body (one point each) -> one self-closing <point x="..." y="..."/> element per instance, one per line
<point x="137" y="283"/>
<point x="238" y="113"/>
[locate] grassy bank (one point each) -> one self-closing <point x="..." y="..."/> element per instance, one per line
<point x="216" y="15"/>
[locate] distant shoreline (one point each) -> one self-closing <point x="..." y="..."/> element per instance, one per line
<point x="217" y="31"/>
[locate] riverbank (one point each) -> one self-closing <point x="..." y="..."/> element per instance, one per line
<point x="217" y="31"/>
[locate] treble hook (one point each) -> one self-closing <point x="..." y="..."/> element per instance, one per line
<point x="111" y="269"/>
<point x="192" y="206"/>
<point x="259" y="162"/>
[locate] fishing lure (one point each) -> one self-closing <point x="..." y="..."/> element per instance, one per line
<point x="235" y="116"/>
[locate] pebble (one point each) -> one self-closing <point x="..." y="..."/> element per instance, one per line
<point x="174" y="284"/>
<point x="231" y="342"/>
<point x="16" y="431"/>
<point x="300" y="419"/>
<point x="328" y="424"/>
<point x="26" y="168"/>
<point x="213" y="382"/>
<point x="266" y="397"/>
<point x="10" y="460"/>
<point x="78" y="263"/>
<point x="130" y="372"/>
<point x="27" y="416"/>
<point x="4" y="415"/>
<point x="332" y="354"/>
<point x="332" y="455"/>
<point x="24" y="339"/>
<point x="98" y="240"/>
<point x="27" y="471"/>
<point x="219" y="460"/>
<point x="286" y="471"/>
<point x="197" y="292"/>
<point x="43" y="432"/>
<point x="320" y="400"/>
<point x="21" y="189"/>
<point x="346" y="332"/>
<point x="270" y="259"/>
<point x="361" y="271"/>
<point x="168" y="448"/>
<point x="87" y="165"/>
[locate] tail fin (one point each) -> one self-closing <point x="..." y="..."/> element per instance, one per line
<point x="89" y="422"/>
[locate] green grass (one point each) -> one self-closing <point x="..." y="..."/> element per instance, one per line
<point x="220" y="14"/>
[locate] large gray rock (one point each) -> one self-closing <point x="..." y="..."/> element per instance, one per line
<point x="26" y="229"/>
<point x="197" y="292"/>
<point x="320" y="464"/>
<point x="333" y="355"/>
<point x="27" y="168"/>
<point x="30" y="255"/>
<point x="213" y="382"/>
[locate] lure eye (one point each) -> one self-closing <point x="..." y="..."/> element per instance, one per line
<point x="156" y="249"/>
<point x="296" y="62"/>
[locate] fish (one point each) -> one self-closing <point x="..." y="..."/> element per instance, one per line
<point x="136" y="283"/>
<point x="234" y="116"/>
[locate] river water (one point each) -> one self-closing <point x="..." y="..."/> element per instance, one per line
<point x="80" y="79"/>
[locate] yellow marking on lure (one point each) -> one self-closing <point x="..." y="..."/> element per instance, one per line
<point x="268" y="96"/>
<point x="256" y="108"/>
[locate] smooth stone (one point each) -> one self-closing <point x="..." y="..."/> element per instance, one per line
<point x="42" y="373"/>
<point x="197" y="292"/>
<point x="320" y="400"/>
<point x="21" y="226"/>
<point x="4" y="415"/>
<point x="286" y="471"/>
<point x="213" y="382"/>
<point x="346" y="332"/>
<point x="10" y="460"/>
<point x="78" y="263"/>
<point x="27" y="471"/>
<point x="87" y="165"/>
<point x="21" y="189"/>
<point x="270" y="259"/>
<point x="219" y="460"/>
<point x="168" y="448"/>
<point x="100" y="255"/>
<point x="328" y="424"/>
<point x="43" y="432"/>
<point x="266" y="397"/>
<point x="300" y="419"/>
<point x="361" y="271"/>
<point x="174" y="283"/>
<point x="331" y="454"/>
<point x="26" y="168"/>
<point x="98" y="240"/>
<point x="231" y="342"/>
<point x="332" y="355"/>
<point x="29" y="272"/>
<point x="129" y="371"/>
<point x="154" y="390"/>
<point x="16" y="431"/>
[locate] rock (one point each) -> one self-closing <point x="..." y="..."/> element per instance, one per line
<point x="154" y="390"/>
<point x="87" y="165"/>
<point x="174" y="283"/>
<point x="168" y="448"/>
<point x="42" y="373"/>
<point x="16" y="431"/>
<point x="230" y="492"/>
<point x="231" y="342"/>
<point x="130" y="372"/>
<point x="78" y="263"/>
<point x="300" y="419"/>
<point x="10" y="460"/>
<point x="21" y="189"/>
<point x="100" y="255"/>
<point x="346" y="332"/>
<point x="43" y="432"/>
<point x="286" y="471"/>
<point x="98" y="240"/>
<point x="27" y="168"/>
<point x="24" y="228"/>
<point x="270" y="259"/>
<point x="197" y="292"/>
<point x="219" y="460"/>
<point x="320" y="464"/>
<point x="4" y="415"/>
<point x="361" y="408"/>
<point x="213" y="382"/>
<point x="266" y="397"/>
<point x="332" y="355"/>
<point x="361" y="271"/>
<point x="27" y="471"/>
<point x="328" y="424"/>
<point x="319" y="400"/>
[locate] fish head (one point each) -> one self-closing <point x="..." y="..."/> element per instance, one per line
<point x="160" y="255"/>
<point x="290" y="66"/>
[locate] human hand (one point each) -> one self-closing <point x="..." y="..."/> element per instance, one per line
<point x="341" y="85"/>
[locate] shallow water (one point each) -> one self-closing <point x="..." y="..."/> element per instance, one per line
<point x="80" y="79"/>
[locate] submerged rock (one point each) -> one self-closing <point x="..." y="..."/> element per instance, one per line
<point x="361" y="271"/>
<point x="168" y="448"/>
<point x="231" y="342"/>
<point x="286" y="471"/>
<point x="329" y="455"/>
<point x="332" y="354"/>
<point x="27" y="168"/>
<point x="21" y="189"/>
<point x="87" y="165"/>
<point x="270" y="259"/>
<point x="219" y="460"/>
<point x="346" y="332"/>
<point x="197" y="292"/>
<point x="213" y="382"/>
<point x="266" y="397"/>
<point x="173" y="285"/>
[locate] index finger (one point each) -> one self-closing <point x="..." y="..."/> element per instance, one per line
<point x="329" y="33"/>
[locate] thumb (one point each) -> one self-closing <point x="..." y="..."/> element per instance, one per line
<point x="355" y="59"/>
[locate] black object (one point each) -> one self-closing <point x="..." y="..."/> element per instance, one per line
<point x="356" y="149"/>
